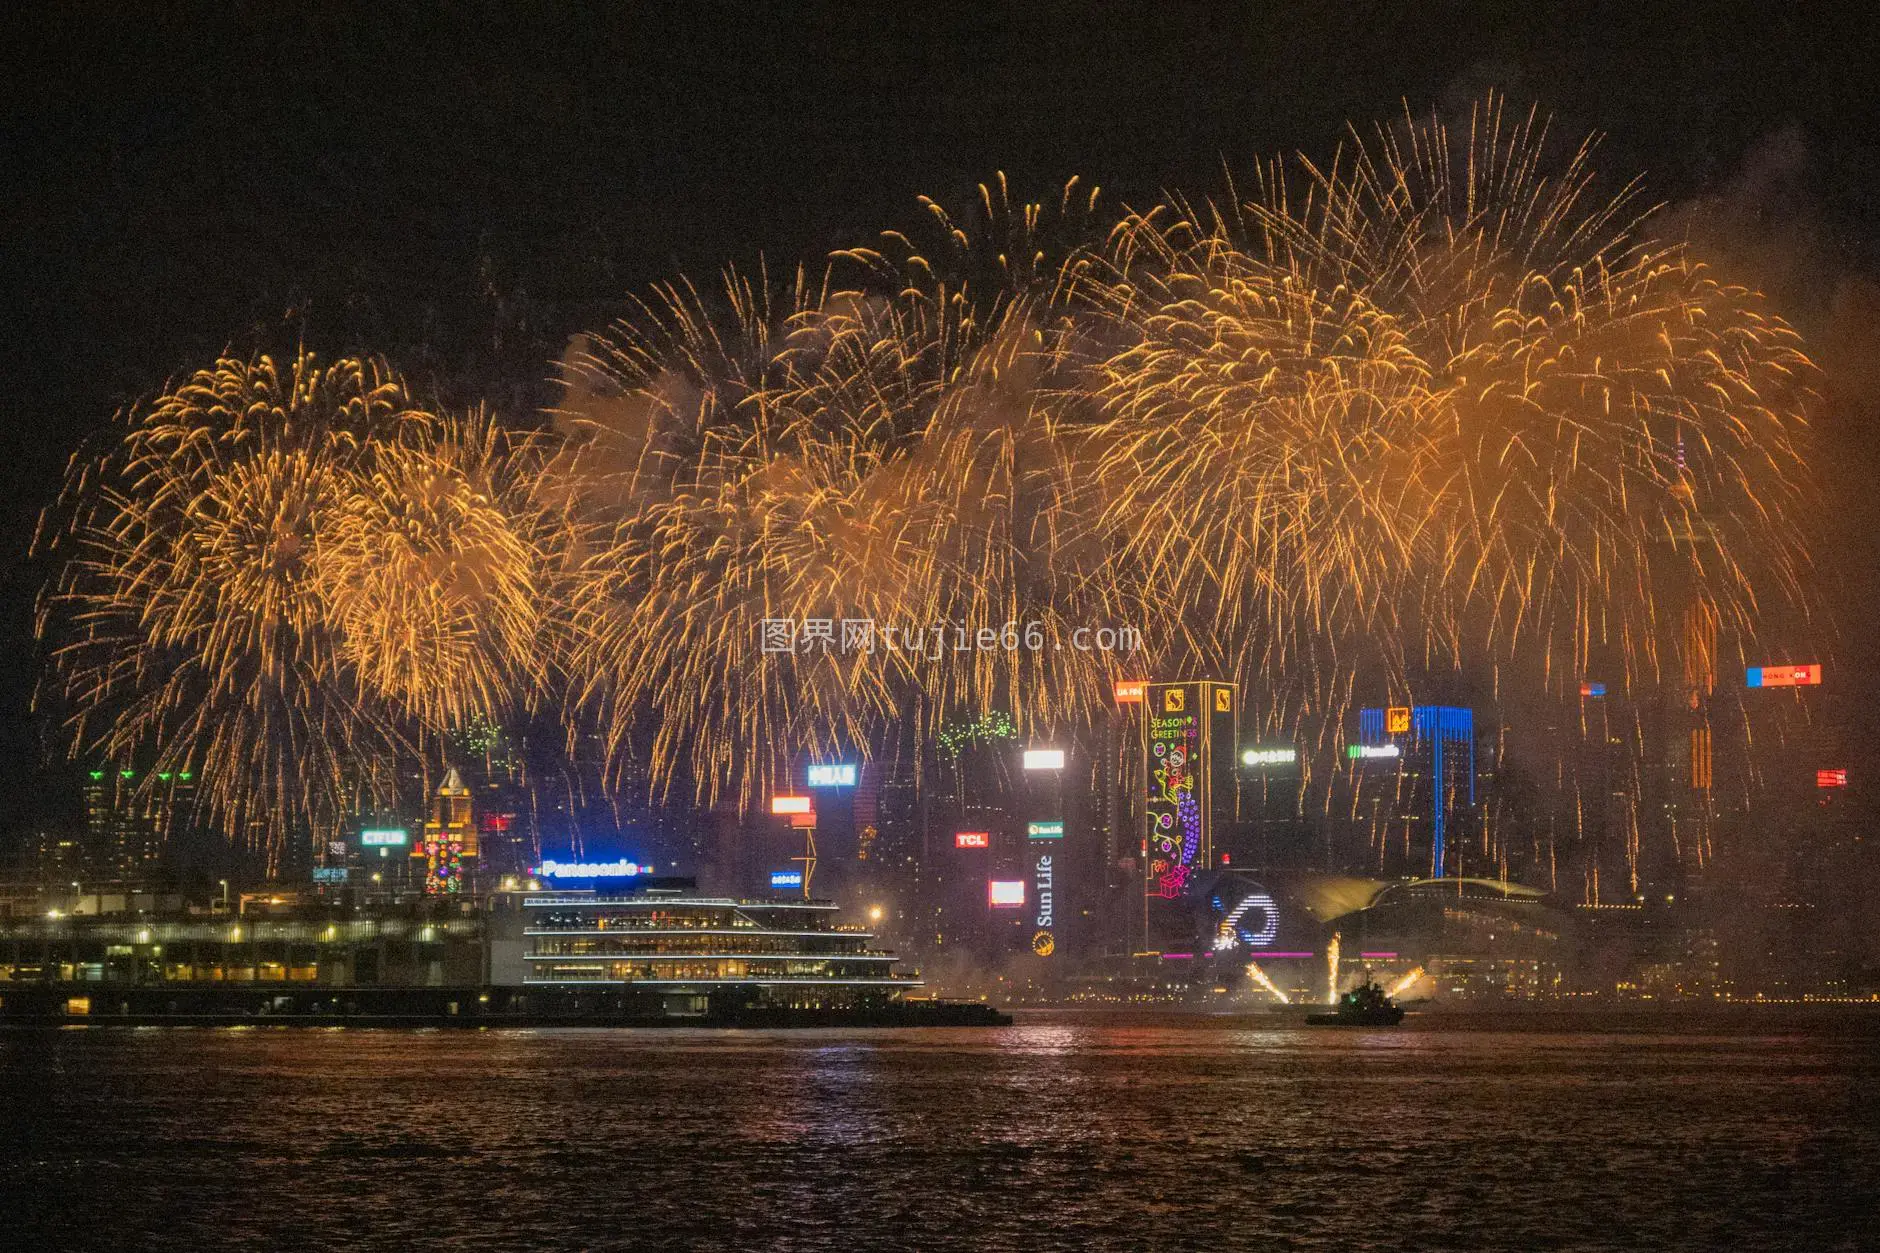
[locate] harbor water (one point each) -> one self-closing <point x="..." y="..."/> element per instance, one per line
<point x="1751" y="1130"/>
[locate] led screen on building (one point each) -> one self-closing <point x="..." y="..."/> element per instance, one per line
<point x="1005" y="893"/>
<point x="835" y="774"/>
<point x="1782" y="676"/>
<point x="1188" y="755"/>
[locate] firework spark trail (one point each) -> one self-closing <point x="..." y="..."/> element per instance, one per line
<point x="1430" y="405"/>
<point x="1259" y="976"/>
<point x="1425" y="416"/>
<point x="430" y="568"/>
<point x="248" y="541"/>
<point x="1331" y="970"/>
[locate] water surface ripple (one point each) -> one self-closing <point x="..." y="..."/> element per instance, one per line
<point x="1061" y="1132"/>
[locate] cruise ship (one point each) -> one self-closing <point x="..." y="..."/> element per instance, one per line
<point x="705" y="950"/>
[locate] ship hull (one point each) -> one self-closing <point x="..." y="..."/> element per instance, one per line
<point x="1368" y="1018"/>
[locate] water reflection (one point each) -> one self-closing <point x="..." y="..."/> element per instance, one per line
<point x="1068" y="1131"/>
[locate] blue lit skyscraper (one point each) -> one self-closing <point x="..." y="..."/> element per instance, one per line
<point x="1414" y="770"/>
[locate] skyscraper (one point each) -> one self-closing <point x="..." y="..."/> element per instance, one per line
<point x="450" y="844"/>
<point x="130" y="815"/>
<point x="1190" y="794"/>
<point x="1413" y="773"/>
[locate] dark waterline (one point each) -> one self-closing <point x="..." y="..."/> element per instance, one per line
<point x="1745" y="1131"/>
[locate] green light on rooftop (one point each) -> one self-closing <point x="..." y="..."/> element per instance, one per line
<point x="127" y="774"/>
<point x="97" y="774"/>
<point x="164" y="775"/>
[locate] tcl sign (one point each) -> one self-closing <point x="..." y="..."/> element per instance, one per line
<point x="972" y="839"/>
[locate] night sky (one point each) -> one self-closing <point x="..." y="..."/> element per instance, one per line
<point x="461" y="191"/>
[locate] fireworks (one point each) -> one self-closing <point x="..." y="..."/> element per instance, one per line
<point x="258" y="565"/>
<point x="429" y="569"/>
<point x="1431" y="405"/>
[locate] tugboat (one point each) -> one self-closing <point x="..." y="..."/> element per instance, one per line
<point x="1363" y="1006"/>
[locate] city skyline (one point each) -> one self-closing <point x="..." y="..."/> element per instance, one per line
<point x="838" y="626"/>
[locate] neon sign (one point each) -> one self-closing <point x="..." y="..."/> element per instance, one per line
<point x="1131" y="691"/>
<point x="1237" y="928"/>
<point x="1782" y="676"/>
<point x="835" y="774"/>
<point x="1042" y="876"/>
<point x="1830" y="778"/>
<point x="1358" y="752"/>
<point x="1268" y="756"/>
<point x="1173" y="810"/>
<point x="1044" y="759"/>
<point x="1397" y="720"/>
<point x="789" y="805"/>
<point x="1051" y="829"/>
<point x="443" y="861"/>
<point x="972" y="839"/>
<point x="591" y="869"/>
<point x="1592" y="689"/>
<point x="383" y="837"/>
<point x="786" y="878"/>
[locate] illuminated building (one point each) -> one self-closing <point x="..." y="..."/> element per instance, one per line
<point x="56" y="856"/>
<point x="498" y="778"/>
<point x="654" y="948"/>
<point x="695" y="948"/>
<point x="130" y="815"/>
<point x="1116" y="881"/>
<point x="978" y="785"/>
<point x="450" y="845"/>
<point x="889" y="800"/>
<point x="1604" y="787"/>
<point x="1690" y="806"/>
<point x="1271" y="830"/>
<point x="1413" y="772"/>
<point x="1189" y="791"/>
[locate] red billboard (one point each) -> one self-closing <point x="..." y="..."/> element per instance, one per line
<point x="1782" y="676"/>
